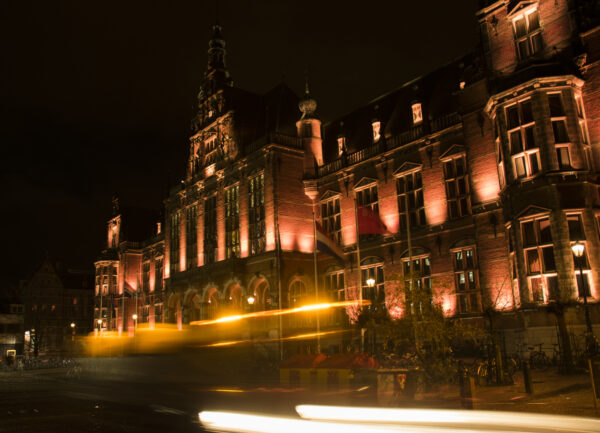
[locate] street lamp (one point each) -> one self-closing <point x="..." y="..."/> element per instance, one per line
<point x="134" y="317"/>
<point x="99" y="321"/>
<point x="251" y="300"/>
<point x="578" y="251"/>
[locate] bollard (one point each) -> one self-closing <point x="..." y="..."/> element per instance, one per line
<point x="527" y="378"/>
<point x="467" y="385"/>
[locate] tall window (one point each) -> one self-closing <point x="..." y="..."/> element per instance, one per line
<point x="334" y="286"/>
<point x="191" y="233"/>
<point x="524" y="150"/>
<point x="174" y="245"/>
<point x="146" y="276"/>
<point x="538" y="250"/>
<point x="582" y="264"/>
<point x="559" y="130"/>
<point x="585" y="137"/>
<point x="232" y="222"/>
<point x="465" y="280"/>
<point x="512" y="257"/>
<point x="299" y="296"/>
<point x="376" y="125"/>
<point x="499" y="155"/>
<point x="331" y="219"/>
<point x="368" y="197"/>
<point x="417" y="280"/>
<point x="457" y="187"/>
<point x="528" y="34"/>
<point x="210" y="229"/>
<point x="417" y="113"/>
<point x="158" y="275"/>
<point x="410" y="199"/>
<point x="256" y="192"/>
<point x="372" y="282"/>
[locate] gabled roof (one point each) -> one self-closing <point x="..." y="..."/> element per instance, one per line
<point x="533" y="210"/>
<point x="406" y="167"/>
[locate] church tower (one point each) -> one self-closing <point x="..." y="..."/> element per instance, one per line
<point x="309" y="129"/>
<point x="213" y="139"/>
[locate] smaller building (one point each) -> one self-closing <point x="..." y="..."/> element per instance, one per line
<point x="11" y="324"/>
<point x="58" y="306"/>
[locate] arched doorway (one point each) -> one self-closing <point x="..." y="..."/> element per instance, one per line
<point x="192" y="310"/>
<point x="233" y="299"/>
<point x="210" y="306"/>
<point x="174" y="309"/>
<point x="261" y="294"/>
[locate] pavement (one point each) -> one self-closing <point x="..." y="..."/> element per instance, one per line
<point x="47" y="401"/>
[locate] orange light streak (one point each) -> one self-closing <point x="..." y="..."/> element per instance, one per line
<point x="271" y="313"/>
<point x="268" y="340"/>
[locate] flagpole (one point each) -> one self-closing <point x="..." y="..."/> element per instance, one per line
<point x="410" y="264"/>
<point x="280" y="317"/>
<point x="316" y="280"/>
<point x="360" y="296"/>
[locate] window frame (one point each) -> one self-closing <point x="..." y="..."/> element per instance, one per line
<point x="471" y="288"/>
<point x="333" y="220"/>
<point x="529" y="35"/>
<point x="231" y="205"/>
<point x="526" y="152"/>
<point x="403" y="199"/>
<point x="454" y="180"/>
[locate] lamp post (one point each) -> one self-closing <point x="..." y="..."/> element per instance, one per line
<point x="370" y="284"/>
<point x="99" y="325"/>
<point x="578" y="251"/>
<point x="72" y="331"/>
<point x="134" y="317"/>
<point x="251" y="299"/>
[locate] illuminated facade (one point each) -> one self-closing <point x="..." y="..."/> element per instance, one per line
<point x="489" y="164"/>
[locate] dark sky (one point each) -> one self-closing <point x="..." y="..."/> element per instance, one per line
<point x="96" y="97"/>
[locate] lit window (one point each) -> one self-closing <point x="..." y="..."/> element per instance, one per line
<point x="373" y="283"/>
<point x="174" y="241"/>
<point x="334" y="286"/>
<point x="376" y="130"/>
<point x="410" y="199"/>
<point x="367" y="197"/>
<point x="524" y="150"/>
<point x="232" y="222"/>
<point x="331" y="218"/>
<point x="417" y="113"/>
<point x="499" y="156"/>
<point x="210" y="229"/>
<point x="298" y="297"/>
<point x="417" y="281"/>
<point x="146" y="276"/>
<point x="191" y="233"/>
<point x="457" y="187"/>
<point x="583" y="130"/>
<point x="158" y="275"/>
<point x="465" y="280"/>
<point x="559" y="130"/>
<point x="538" y="252"/>
<point x="528" y="34"/>
<point x="341" y="141"/>
<point x="256" y="213"/>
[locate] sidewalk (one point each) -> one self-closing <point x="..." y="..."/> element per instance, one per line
<point x="553" y="393"/>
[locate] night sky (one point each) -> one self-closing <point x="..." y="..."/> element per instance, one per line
<point x="96" y="97"/>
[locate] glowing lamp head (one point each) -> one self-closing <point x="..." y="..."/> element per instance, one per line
<point x="578" y="249"/>
<point x="134" y="317"/>
<point x="72" y="324"/>
<point x="99" y="321"/>
<point x="371" y="282"/>
<point x="251" y="300"/>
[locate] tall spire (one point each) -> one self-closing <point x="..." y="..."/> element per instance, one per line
<point x="307" y="105"/>
<point x="216" y="76"/>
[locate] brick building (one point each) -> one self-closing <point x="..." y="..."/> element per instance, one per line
<point x="483" y="171"/>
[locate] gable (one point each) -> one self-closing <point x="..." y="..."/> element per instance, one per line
<point x="406" y="167"/>
<point x="329" y="194"/>
<point x="365" y="181"/>
<point x="533" y="210"/>
<point x="454" y="150"/>
<point x="516" y="6"/>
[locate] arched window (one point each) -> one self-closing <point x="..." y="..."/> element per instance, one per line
<point x="372" y="281"/>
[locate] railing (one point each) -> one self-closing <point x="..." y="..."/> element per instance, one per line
<point x="445" y="122"/>
<point x="274" y="137"/>
<point x="406" y="137"/>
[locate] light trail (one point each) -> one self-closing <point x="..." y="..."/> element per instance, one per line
<point x="477" y="420"/>
<point x="272" y="313"/>
<point x="329" y="419"/>
<point x="270" y="340"/>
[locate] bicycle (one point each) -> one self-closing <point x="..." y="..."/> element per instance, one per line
<point x="538" y="358"/>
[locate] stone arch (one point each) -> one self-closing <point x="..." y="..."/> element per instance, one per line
<point x="210" y="302"/>
<point x="299" y="291"/>
<point x="192" y="306"/>
<point x="173" y="309"/>
<point x="260" y="290"/>
<point x="233" y="297"/>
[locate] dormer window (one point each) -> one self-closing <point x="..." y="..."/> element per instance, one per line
<point x="376" y="130"/>
<point x="528" y="34"/>
<point x="417" y="113"/>
<point x="341" y="142"/>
